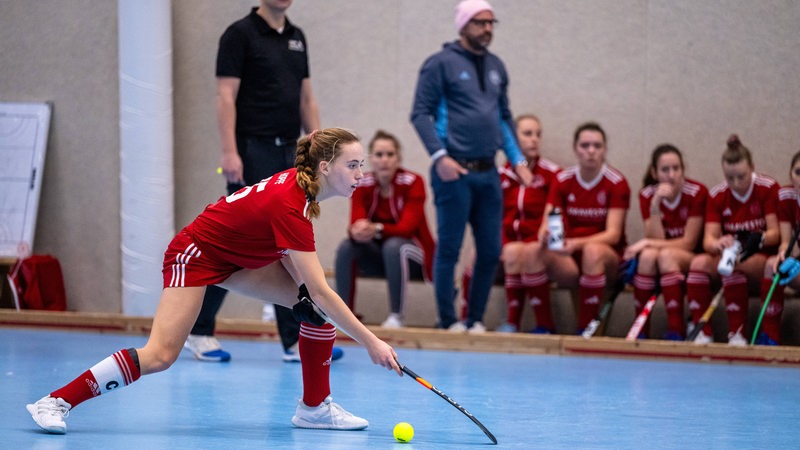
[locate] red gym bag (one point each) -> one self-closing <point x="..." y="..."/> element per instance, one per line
<point x="37" y="283"/>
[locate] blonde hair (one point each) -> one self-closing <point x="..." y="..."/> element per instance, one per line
<point x="320" y="145"/>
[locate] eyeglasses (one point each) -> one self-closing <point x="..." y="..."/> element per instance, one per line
<point x="483" y="22"/>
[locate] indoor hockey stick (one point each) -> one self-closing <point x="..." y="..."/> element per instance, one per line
<point x="629" y="270"/>
<point x="641" y="319"/>
<point x="775" y="279"/>
<point x="425" y="383"/>
<point x="706" y="316"/>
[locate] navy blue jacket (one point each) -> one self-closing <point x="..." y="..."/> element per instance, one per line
<point x="453" y="113"/>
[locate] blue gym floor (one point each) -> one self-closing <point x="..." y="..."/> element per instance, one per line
<point x="526" y="401"/>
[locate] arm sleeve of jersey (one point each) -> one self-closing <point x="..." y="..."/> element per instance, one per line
<point x="412" y="214"/>
<point x="786" y="204"/>
<point x="621" y="196"/>
<point x="771" y="202"/>
<point x="428" y="99"/>
<point x="712" y="211"/>
<point x="358" y="205"/>
<point x="644" y="205"/>
<point x="554" y="196"/>
<point x="231" y="53"/>
<point x="698" y="206"/>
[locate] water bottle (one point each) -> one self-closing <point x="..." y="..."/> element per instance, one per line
<point x="555" y="228"/>
<point x="728" y="259"/>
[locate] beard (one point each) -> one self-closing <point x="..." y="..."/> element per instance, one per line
<point x="479" y="43"/>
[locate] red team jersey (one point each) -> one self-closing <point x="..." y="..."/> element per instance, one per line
<point x="403" y="214"/>
<point x="250" y="228"/>
<point x="523" y="206"/>
<point x="585" y="204"/>
<point x="789" y="206"/>
<point x="690" y="202"/>
<point x="748" y="212"/>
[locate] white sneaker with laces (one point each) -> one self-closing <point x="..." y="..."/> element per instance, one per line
<point x="394" y="320"/>
<point x="477" y="328"/>
<point x="702" y="338"/>
<point x="292" y="354"/>
<point x="328" y="416"/>
<point x="736" y="339"/>
<point x="49" y="413"/>
<point x="457" y="327"/>
<point x="206" y="348"/>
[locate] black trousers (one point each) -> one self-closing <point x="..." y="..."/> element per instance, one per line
<point x="261" y="157"/>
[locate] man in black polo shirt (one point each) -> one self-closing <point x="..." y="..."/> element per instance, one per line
<point x="263" y="99"/>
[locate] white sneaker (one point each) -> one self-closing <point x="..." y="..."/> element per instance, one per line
<point x="702" y="338"/>
<point x="393" y="321"/>
<point x="292" y="354"/>
<point x="49" y="413"/>
<point x="327" y="416"/>
<point x="457" y="327"/>
<point x="736" y="339"/>
<point x="506" y="328"/>
<point x="206" y="348"/>
<point x="477" y="328"/>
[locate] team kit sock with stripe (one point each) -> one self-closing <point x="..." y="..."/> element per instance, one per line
<point x="672" y="293"/>
<point x="537" y="286"/>
<point x="698" y="293"/>
<point x="590" y="292"/>
<point x="316" y="344"/>
<point x="643" y="288"/>
<point x="772" y="317"/>
<point x="116" y="371"/>
<point x="736" y="299"/>
<point x="515" y="295"/>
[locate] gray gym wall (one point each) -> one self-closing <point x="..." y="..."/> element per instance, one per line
<point x="685" y="71"/>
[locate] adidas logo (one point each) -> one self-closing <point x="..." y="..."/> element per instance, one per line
<point x="593" y="300"/>
<point x="694" y="305"/>
<point x="732" y="307"/>
<point x="463" y="76"/>
<point x="673" y="304"/>
<point x="536" y="301"/>
<point x="727" y="212"/>
<point x="571" y="198"/>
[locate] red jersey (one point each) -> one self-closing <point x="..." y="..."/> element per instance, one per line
<point x="523" y="206"/>
<point x="789" y="206"/>
<point x="402" y="214"/>
<point x="585" y="204"/>
<point x="748" y="212"/>
<point x="256" y="225"/>
<point x="690" y="202"/>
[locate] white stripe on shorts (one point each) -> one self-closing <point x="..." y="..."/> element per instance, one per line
<point x="179" y="268"/>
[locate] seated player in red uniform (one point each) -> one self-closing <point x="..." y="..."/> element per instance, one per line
<point x="673" y="208"/>
<point x="593" y="198"/>
<point x="744" y="203"/>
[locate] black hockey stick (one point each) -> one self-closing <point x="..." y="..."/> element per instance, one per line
<point x="425" y="383"/>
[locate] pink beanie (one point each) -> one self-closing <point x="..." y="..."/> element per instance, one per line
<point x="467" y="9"/>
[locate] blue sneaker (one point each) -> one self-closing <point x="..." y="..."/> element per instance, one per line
<point x="541" y="330"/>
<point x="673" y="336"/>
<point x="293" y="355"/>
<point x="206" y="348"/>
<point x="764" y="339"/>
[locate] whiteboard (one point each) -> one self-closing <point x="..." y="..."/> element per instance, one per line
<point x="23" y="143"/>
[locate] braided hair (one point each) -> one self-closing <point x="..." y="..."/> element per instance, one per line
<point x="320" y="145"/>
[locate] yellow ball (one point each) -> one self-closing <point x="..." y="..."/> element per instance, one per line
<point x="403" y="432"/>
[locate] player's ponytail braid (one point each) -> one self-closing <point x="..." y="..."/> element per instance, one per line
<point x="320" y="145"/>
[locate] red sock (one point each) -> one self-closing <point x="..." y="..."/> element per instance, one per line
<point x="118" y="370"/>
<point x="672" y="290"/>
<point x="643" y="288"/>
<point x="590" y="291"/>
<point x="514" y="298"/>
<point x="698" y="294"/>
<point x="772" y="317"/>
<point x="736" y="296"/>
<point x="316" y="344"/>
<point x="538" y="288"/>
<point x="466" y="280"/>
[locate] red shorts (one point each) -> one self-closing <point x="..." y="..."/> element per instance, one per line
<point x="186" y="266"/>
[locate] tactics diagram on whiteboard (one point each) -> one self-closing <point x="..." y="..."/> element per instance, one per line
<point x="23" y="142"/>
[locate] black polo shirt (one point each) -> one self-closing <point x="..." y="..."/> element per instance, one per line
<point x="272" y="67"/>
